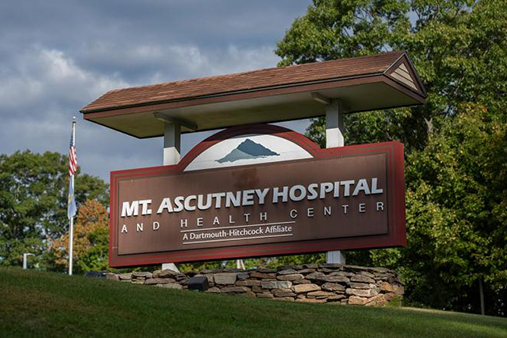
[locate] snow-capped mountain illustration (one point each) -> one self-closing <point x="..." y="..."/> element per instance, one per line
<point x="247" y="150"/>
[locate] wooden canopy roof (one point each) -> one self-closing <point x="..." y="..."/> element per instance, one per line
<point x="269" y="95"/>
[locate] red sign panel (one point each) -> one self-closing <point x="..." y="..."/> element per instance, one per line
<point x="340" y="198"/>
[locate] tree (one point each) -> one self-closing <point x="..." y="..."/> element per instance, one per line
<point x="458" y="48"/>
<point x="91" y="240"/>
<point x="457" y="213"/>
<point x="33" y="201"/>
<point x="454" y="143"/>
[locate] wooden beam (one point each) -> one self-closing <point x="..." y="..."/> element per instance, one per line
<point x="168" y="119"/>
<point x="321" y="98"/>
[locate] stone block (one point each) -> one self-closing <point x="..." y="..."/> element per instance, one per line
<point x="389" y="296"/>
<point x="367" y="274"/>
<point x="180" y="277"/>
<point x="213" y="290"/>
<point x="378" y="300"/>
<point x="306" y="271"/>
<point x="234" y="289"/>
<point x="380" y="270"/>
<point x="332" y="266"/>
<point x="125" y="276"/>
<point x="336" y="279"/>
<point x="362" y="279"/>
<point x="302" y="281"/>
<point x="275" y="284"/>
<point x="164" y="274"/>
<point x="286" y="272"/>
<point x="310" y="266"/>
<point x="316" y="276"/>
<point x="398" y="289"/>
<point x="320" y="294"/>
<point x="381" y="277"/>
<point x="356" y="268"/>
<point x="225" y="278"/>
<point x="153" y="281"/>
<point x="361" y="292"/>
<point x="291" y="277"/>
<point x="266" y="270"/>
<point x="283" y="293"/>
<point x="326" y="271"/>
<point x="257" y="289"/>
<point x="248" y="282"/>
<point x="386" y="287"/>
<point x="183" y="282"/>
<point x="302" y="288"/>
<point x="243" y="275"/>
<point x="112" y="276"/>
<point x="247" y="294"/>
<point x="265" y="295"/>
<point x="354" y="285"/>
<point x="335" y="298"/>
<point x="262" y="275"/>
<point x="335" y="287"/>
<point x="342" y="273"/>
<point x="145" y="275"/>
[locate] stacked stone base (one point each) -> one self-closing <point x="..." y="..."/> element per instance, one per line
<point x="311" y="283"/>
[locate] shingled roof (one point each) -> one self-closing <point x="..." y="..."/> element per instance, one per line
<point x="256" y="84"/>
<point x="233" y="83"/>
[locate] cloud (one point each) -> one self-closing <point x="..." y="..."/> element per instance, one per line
<point x="46" y="77"/>
<point x="55" y="57"/>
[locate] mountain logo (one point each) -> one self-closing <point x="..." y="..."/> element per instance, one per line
<point x="247" y="150"/>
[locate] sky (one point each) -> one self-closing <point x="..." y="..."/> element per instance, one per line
<point x="57" y="56"/>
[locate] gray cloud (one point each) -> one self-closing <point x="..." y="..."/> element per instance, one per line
<point x="57" y="56"/>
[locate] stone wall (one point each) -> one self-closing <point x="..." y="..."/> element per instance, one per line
<point x="323" y="283"/>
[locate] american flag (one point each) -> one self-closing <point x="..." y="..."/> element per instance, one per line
<point x="71" y="208"/>
<point x="72" y="154"/>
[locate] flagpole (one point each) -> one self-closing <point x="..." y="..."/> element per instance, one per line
<point x="71" y="216"/>
<point x="71" y="240"/>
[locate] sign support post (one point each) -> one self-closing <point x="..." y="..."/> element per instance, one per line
<point x="25" y="260"/>
<point x="172" y="151"/>
<point x="172" y="143"/>
<point x="334" y="138"/>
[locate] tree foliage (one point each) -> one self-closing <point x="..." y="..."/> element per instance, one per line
<point x="458" y="48"/>
<point x="457" y="212"/>
<point x="33" y="202"/>
<point x="91" y="240"/>
<point x="455" y="143"/>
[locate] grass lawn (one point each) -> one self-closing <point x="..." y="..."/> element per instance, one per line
<point x="48" y="304"/>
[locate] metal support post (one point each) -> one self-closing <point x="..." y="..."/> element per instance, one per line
<point x="25" y="260"/>
<point x="334" y="138"/>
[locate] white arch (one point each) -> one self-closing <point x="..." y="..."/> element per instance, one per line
<point x="276" y="149"/>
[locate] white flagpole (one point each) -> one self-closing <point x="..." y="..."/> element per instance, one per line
<point x="71" y="241"/>
<point x="71" y="227"/>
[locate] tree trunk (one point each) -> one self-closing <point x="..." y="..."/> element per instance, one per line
<point x="481" y="293"/>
